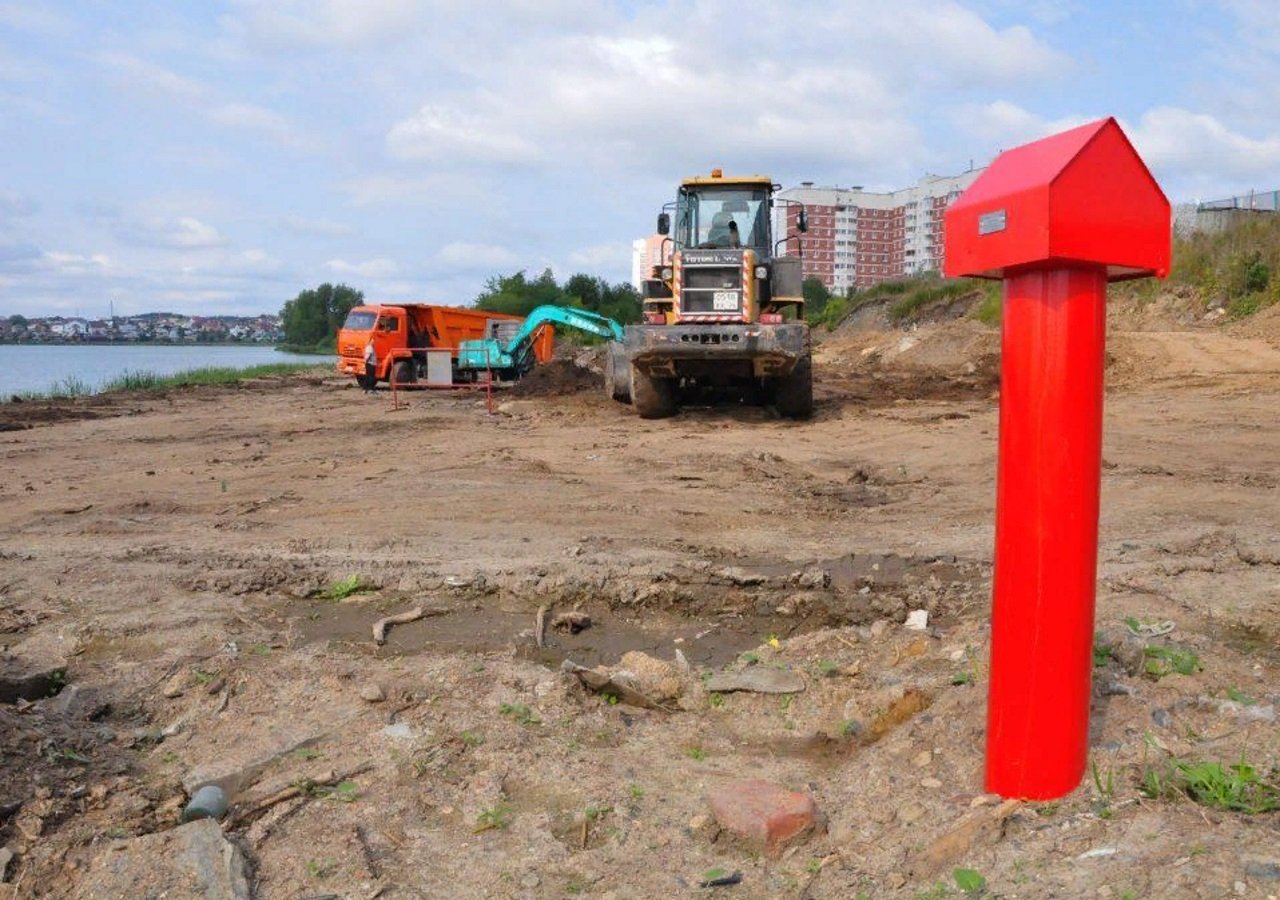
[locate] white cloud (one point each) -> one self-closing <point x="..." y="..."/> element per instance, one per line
<point x="143" y="76"/>
<point x="1001" y="124"/>
<point x="15" y="206"/>
<point x="477" y="256"/>
<point x="301" y="225"/>
<point x="806" y="86"/>
<point x="345" y="23"/>
<point x="380" y="267"/>
<point x="181" y="233"/>
<point x="611" y="257"/>
<point x="62" y="263"/>
<point x="1200" y="151"/>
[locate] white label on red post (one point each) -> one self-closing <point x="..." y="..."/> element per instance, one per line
<point x="990" y="223"/>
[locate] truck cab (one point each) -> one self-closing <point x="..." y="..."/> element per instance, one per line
<point x="723" y="313"/>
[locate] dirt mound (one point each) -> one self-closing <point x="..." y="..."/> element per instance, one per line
<point x="1264" y="324"/>
<point x="556" y="379"/>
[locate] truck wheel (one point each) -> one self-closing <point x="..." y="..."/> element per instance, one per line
<point x="654" y="398"/>
<point x="404" y="372"/>
<point x="617" y="375"/>
<point x="793" y="395"/>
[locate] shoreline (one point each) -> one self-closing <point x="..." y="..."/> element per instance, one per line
<point x="144" y="381"/>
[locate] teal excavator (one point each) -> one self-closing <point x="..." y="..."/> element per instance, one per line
<point x="510" y="355"/>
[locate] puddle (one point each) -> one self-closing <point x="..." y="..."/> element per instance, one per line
<point x="488" y="628"/>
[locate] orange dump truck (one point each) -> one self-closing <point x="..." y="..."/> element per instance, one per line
<point x="400" y="333"/>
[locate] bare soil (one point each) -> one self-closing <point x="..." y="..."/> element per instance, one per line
<point x="175" y="558"/>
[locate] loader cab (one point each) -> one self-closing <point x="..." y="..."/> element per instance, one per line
<point x="724" y="264"/>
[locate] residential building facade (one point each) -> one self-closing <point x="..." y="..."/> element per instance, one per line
<point x="858" y="238"/>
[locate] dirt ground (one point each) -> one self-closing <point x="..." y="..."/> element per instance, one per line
<point x="167" y="577"/>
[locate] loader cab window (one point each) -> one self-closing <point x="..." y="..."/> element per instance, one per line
<point x="359" y="321"/>
<point x="708" y="218"/>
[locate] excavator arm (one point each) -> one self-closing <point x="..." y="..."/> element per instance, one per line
<point x="517" y="352"/>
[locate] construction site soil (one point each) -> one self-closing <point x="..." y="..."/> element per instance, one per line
<point x="189" y="584"/>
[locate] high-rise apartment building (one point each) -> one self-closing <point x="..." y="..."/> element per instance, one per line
<point x="645" y="254"/>
<point x="860" y="238"/>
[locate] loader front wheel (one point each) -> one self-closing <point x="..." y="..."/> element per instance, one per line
<point x="793" y="395"/>
<point x="654" y="398"/>
<point x="617" y="375"/>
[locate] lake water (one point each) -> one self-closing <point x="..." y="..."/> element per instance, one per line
<point x="30" y="367"/>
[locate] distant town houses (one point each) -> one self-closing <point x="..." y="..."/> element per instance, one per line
<point x="149" y="327"/>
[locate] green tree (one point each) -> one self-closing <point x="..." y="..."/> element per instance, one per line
<point x="17" y="321"/>
<point x="312" y="318"/>
<point x="816" y="297"/>
<point x="517" y="295"/>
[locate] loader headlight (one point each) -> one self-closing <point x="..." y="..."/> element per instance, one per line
<point x="667" y="273"/>
<point x="762" y="272"/>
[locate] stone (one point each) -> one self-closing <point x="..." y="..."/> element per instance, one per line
<point x="6" y="857"/>
<point x="757" y="679"/>
<point x="400" y="731"/>
<point x="81" y="703"/>
<point x="917" y="620"/>
<point x="234" y="773"/>
<point x="1161" y="717"/>
<point x="372" y="693"/>
<point x="764" y="816"/>
<point x="931" y="783"/>
<point x="655" y="678"/>
<point x="175" y="685"/>
<point x="879" y="627"/>
<point x="922" y="759"/>
<point x="1262" y="869"/>
<point x="193" y="860"/>
<point x="910" y="813"/>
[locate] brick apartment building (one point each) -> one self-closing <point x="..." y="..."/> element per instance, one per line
<point x="860" y="238"/>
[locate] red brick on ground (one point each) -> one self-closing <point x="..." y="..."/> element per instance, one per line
<point x="763" y="815"/>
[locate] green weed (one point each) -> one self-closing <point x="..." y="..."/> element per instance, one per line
<point x="520" y="713"/>
<point x="494" y="818"/>
<point x="1240" y="697"/>
<point x="696" y="753"/>
<point x="635" y="792"/>
<point x="1162" y="661"/>
<point x="969" y="881"/>
<point x="1235" y="788"/>
<point x="341" y="590"/>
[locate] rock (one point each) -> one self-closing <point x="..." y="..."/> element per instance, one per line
<point x="741" y="577"/>
<point x="373" y="693"/>
<point x="400" y="731"/>
<point x="764" y="816"/>
<point x="234" y="774"/>
<point x="1117" y="689"/>
<point x="572" y="622"/>
<point x="193" y="860"/>
<point x="931" y="783"/>
<point x="1262" y="869"/>
<point x="82" y="703"/>
<point x="655" y="678"/>
<point x="530" y="881"/>
<point x="6" y="857"/>
<point x="21" y="680"/>
<point x="757" y="679"/>
<point x="917" y="620"/>
<point x="922" y="759"/>
<point x="879" y="627"/>
<point x="1161" y="717"/>
<point x="174" y="686"/>
<point x="910" y="813"/>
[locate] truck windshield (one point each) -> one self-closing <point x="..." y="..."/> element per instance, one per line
<point x="722" y="217"/>
<point x="359" y="321"/>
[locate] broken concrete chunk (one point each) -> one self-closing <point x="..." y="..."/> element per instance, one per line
<point x="193" y="860"/>
<point x="762" y="815"/>
<point x="757" y="679"/>
<point x="572" y="622"/>
<point x="917" y="619"/>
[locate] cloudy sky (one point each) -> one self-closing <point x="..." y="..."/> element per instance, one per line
<point x="220" y="156"/>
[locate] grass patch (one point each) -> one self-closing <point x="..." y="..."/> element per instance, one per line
<point x="991" y="308"/>
<point x="1162" y="661"/>
<point x="915" y="301"/>
<point x="494" y="818"/>
<point x="1235" y="788"/>
<point x="341" y="590"/>
<point x="151" y="381"/>
<point x="520" y="713"/>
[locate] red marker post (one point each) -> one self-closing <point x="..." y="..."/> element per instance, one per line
<point x="1056" y="219"/>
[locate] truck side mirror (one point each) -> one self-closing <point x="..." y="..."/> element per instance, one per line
<point x="664" y="224"/>
<point x="802" y="221"/>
